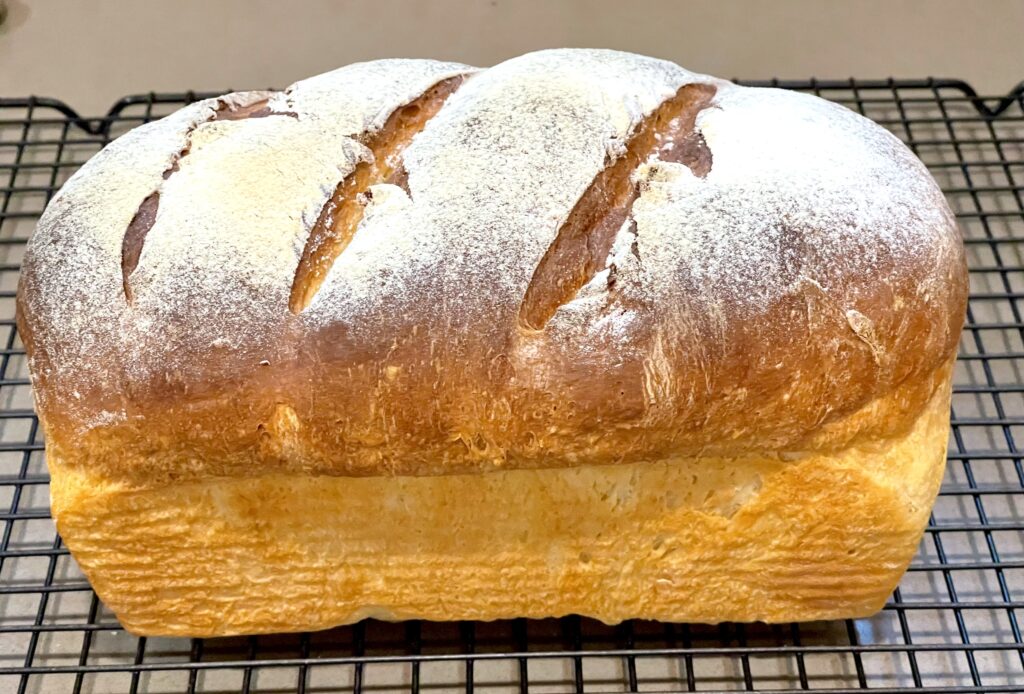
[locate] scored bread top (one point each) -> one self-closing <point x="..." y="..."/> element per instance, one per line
<point x="415" y="267"/>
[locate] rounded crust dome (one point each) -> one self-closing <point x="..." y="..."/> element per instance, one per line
<point x="802" y="291"/>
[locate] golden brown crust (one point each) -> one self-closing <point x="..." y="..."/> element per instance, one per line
<point x="248" y="432"/>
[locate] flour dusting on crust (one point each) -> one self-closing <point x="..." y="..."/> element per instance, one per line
<point x="216" y="266"/>
<point x="800" y="188"/>
<point x="492" y="177"/>
<point x="808" y="210"/>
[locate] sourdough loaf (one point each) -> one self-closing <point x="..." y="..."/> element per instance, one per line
<point x="583" y="332"/>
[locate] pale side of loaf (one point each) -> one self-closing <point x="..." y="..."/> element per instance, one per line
<point x="580" y="333"/>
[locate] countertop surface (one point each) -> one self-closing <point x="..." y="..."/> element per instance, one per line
<point x="89" y="53"/>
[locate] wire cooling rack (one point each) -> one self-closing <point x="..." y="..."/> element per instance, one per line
<point x="953" y="625"/>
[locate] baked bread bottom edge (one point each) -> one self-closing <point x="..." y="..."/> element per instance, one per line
<point x="760" y="538"/>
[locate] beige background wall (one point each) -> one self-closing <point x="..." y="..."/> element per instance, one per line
<point x="90" y="52"/>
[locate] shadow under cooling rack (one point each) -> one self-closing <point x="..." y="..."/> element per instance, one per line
<point x="953" y="625"/>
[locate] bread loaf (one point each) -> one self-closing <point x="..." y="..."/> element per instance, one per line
<point x="583" y="332"/>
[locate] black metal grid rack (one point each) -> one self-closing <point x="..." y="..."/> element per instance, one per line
<point x="953" y="625"/>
